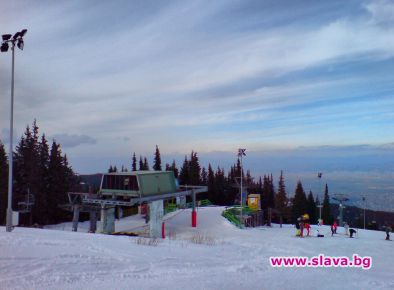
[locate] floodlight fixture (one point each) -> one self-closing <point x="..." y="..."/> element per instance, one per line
<point x="6" y="37"/>
<point x="16" y="35"/>
<point x="241" y="152"/>
<point x="4" y="47"/>
<point x="23" y="32"/>
<point x="20" y="43"/>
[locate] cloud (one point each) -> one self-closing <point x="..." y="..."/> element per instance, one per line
<point x="69" y="141"/>
<point x="211" y="74"/>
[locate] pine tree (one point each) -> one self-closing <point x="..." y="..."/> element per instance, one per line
<point x="220" y="184"/>
<point x="204" y="177"/>
<point x="268" y="193"/>
<point x="184" y="177"/>
<point x="326" y="215"/>
<point x="40" y="214"/>
<point x="141" y="164"/>
<point x="281" y="196"/>
<point x="311" y="208"/>
<point x="299" y="202"/>
<point x="26" y="175"/>
<point x="146" y="164"/>
<point x="157" y="160"/>
<point x="271" y="200"/>
<point x="134" y="163"/>
<point x="61" y="180"/>
<point x="211" y="185"/>
<point x="3" y="183"/>
<point x="194" y="169"/>
<point x="173" y="168"/>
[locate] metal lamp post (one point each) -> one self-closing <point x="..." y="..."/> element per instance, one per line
<point x="6" y="40"/>
<point x="241" y="153"/>
<point x="365" y="205"/>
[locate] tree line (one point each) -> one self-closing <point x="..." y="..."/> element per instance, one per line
<point x="42" y="177"/>
<point x="223" y="189"/>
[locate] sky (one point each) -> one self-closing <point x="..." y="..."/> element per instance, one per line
<point x="302" y="85"/>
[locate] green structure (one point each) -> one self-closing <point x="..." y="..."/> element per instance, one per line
<point x="126" y="189"/>
<point x="137" y="183"/>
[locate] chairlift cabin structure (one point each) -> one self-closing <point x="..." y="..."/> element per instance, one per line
<point x="126" y="189"/>
<point x="137" y="184"/>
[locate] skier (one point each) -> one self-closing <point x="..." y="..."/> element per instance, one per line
<point x="297" y="225"/>
<point x="346" y="226"/>
<point x="335" y="225"/>
<point x="352" y="232"/>
<point x="332" y="230"/>
<point x="307" y="227"/>
<point x="302" y="227"/>
<point x="388" y="230"/>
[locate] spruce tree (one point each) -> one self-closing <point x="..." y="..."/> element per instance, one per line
<point x="220" y="183"/>
<point x="194" y="169"/>
<point x="326" y="215"/>
<point x="157" y="160"/>
<point x="311" y="208"/>
<point x="211" y="185"/>
<point x="184" y="177"/>
<point x="134" y="163"/>
<point x="172" y="168"/>
<point x="26" y="173"/>
<point x="267" y="196"/>
<point x="40" y="214"/>
<point x="141" y="164"/>
<point x="281" y="196"/>
<point x="146" y="164"/>
<point x="299" y="202"/>
<point x="204" y="176"/>
<point x="175" y="169"/>
<point x="3" y="183"/>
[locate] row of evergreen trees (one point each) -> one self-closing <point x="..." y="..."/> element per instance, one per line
<point x="42" y="172"/>
<point x="224" y="189"/>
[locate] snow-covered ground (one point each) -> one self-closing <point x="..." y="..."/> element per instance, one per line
<point x="229" y="258"/>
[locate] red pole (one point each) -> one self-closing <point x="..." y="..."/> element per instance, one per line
<point x="163" y="230"/>
<point x="194" y="219"/>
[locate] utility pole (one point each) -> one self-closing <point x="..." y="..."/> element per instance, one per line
<point x="365" y="205"/>
<point x="8" y="38"/>
<point x="241" y="153"/>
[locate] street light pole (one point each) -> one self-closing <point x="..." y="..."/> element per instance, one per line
<point x="10" y="157"/>
<point x="241" y="153"/>
<point x="8" y="38"/>
<point x="364" y="209"/>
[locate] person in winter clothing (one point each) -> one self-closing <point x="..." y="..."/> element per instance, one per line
<point x="302" y="225"/>
<point x="308" y="228"/>
<point x="346" y="226"/>
<point x="335" y="225"/>
<point x="297" y="225"/>
<point x="332" y="230"/>
<point x="352" y="232"/>
<point x="388" y="230"/>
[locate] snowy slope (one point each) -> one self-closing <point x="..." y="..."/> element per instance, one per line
<point x="238" y="259"/>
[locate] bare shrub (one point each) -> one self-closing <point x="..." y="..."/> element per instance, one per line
<point x="201" y="239"/>
<point x="147" y="241"/>
<point x="172" y="235"/>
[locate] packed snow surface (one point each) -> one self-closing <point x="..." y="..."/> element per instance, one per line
<point x="215" y="255"/>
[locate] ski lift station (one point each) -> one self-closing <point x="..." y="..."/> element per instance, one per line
<point x="127" y="189"/>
